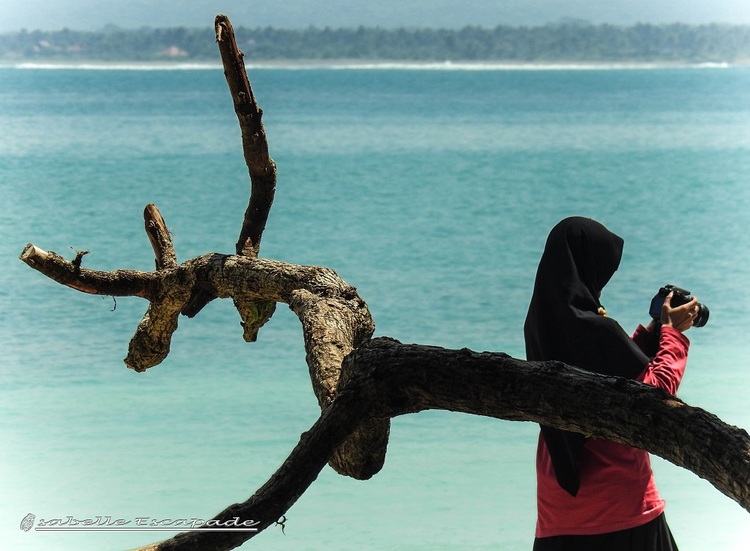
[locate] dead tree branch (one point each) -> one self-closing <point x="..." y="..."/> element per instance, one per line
<point x="385" y="378"/>
<point x="361" y="383"/>
<point x="254" y="143"/>
<point x="262" y="171"/>
<point x="121" y="283"/>
<point x="335" y="320"/>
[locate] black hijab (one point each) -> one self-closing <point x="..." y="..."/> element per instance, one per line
<point x="564" y="323"/>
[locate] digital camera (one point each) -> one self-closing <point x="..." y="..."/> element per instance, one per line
<point x="680" y="297"/>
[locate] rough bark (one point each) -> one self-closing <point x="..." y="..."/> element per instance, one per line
<point x="381" y="379"/>
<point x="161" y="240"/>
<point x="335" y="320"/>
<point x="254" y="143"/>
<point x="384" y="378"/>
<point x="361" y="383"/>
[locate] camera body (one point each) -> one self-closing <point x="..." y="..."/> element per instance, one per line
<point x="680" y="297"/>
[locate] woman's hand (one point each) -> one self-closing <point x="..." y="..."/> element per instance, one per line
<point x="680" y="317"/>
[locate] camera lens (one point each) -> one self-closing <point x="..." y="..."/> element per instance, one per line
<point x="701" y="318"/>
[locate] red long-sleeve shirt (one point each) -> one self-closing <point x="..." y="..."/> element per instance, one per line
<point x="617" y="490"/>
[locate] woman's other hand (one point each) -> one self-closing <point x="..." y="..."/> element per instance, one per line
<point x="680" y="317"/>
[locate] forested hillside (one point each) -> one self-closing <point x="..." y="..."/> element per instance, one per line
<point x="549" y="43"/>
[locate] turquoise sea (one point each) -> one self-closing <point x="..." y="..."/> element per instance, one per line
<point x="431" y="189"/>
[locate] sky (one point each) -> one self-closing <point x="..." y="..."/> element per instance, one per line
<point x="95" y="14"/>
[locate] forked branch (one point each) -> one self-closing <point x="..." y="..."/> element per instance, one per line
<point x="362" y="383"/>
<point x="335" y="319"/>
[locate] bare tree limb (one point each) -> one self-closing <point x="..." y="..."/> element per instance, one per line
<point x="384" y="378"/>
<point x="262" y="174"/>
<point x="119" y="283"/>
<point x="283" y="489"/>
<point x="254" y="143"/>
<point x="335" y="320"/>
<point x="412" y="378"/>
<point x="331" y="332"/>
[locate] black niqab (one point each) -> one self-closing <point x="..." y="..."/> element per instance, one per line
<point x="564" y="323"/>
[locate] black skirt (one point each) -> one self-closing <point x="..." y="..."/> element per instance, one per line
<point x="652" y="536"/>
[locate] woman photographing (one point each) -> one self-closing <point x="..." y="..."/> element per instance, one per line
<point x="595" y="494"/>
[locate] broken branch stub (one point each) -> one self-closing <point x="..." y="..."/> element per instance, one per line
<point x="161" y="240"/>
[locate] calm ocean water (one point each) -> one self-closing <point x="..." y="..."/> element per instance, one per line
<point x="432" y="191"/>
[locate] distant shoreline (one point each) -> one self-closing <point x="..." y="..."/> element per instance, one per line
<point x="501" y="47"/>
<point x="359" y="64"/>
